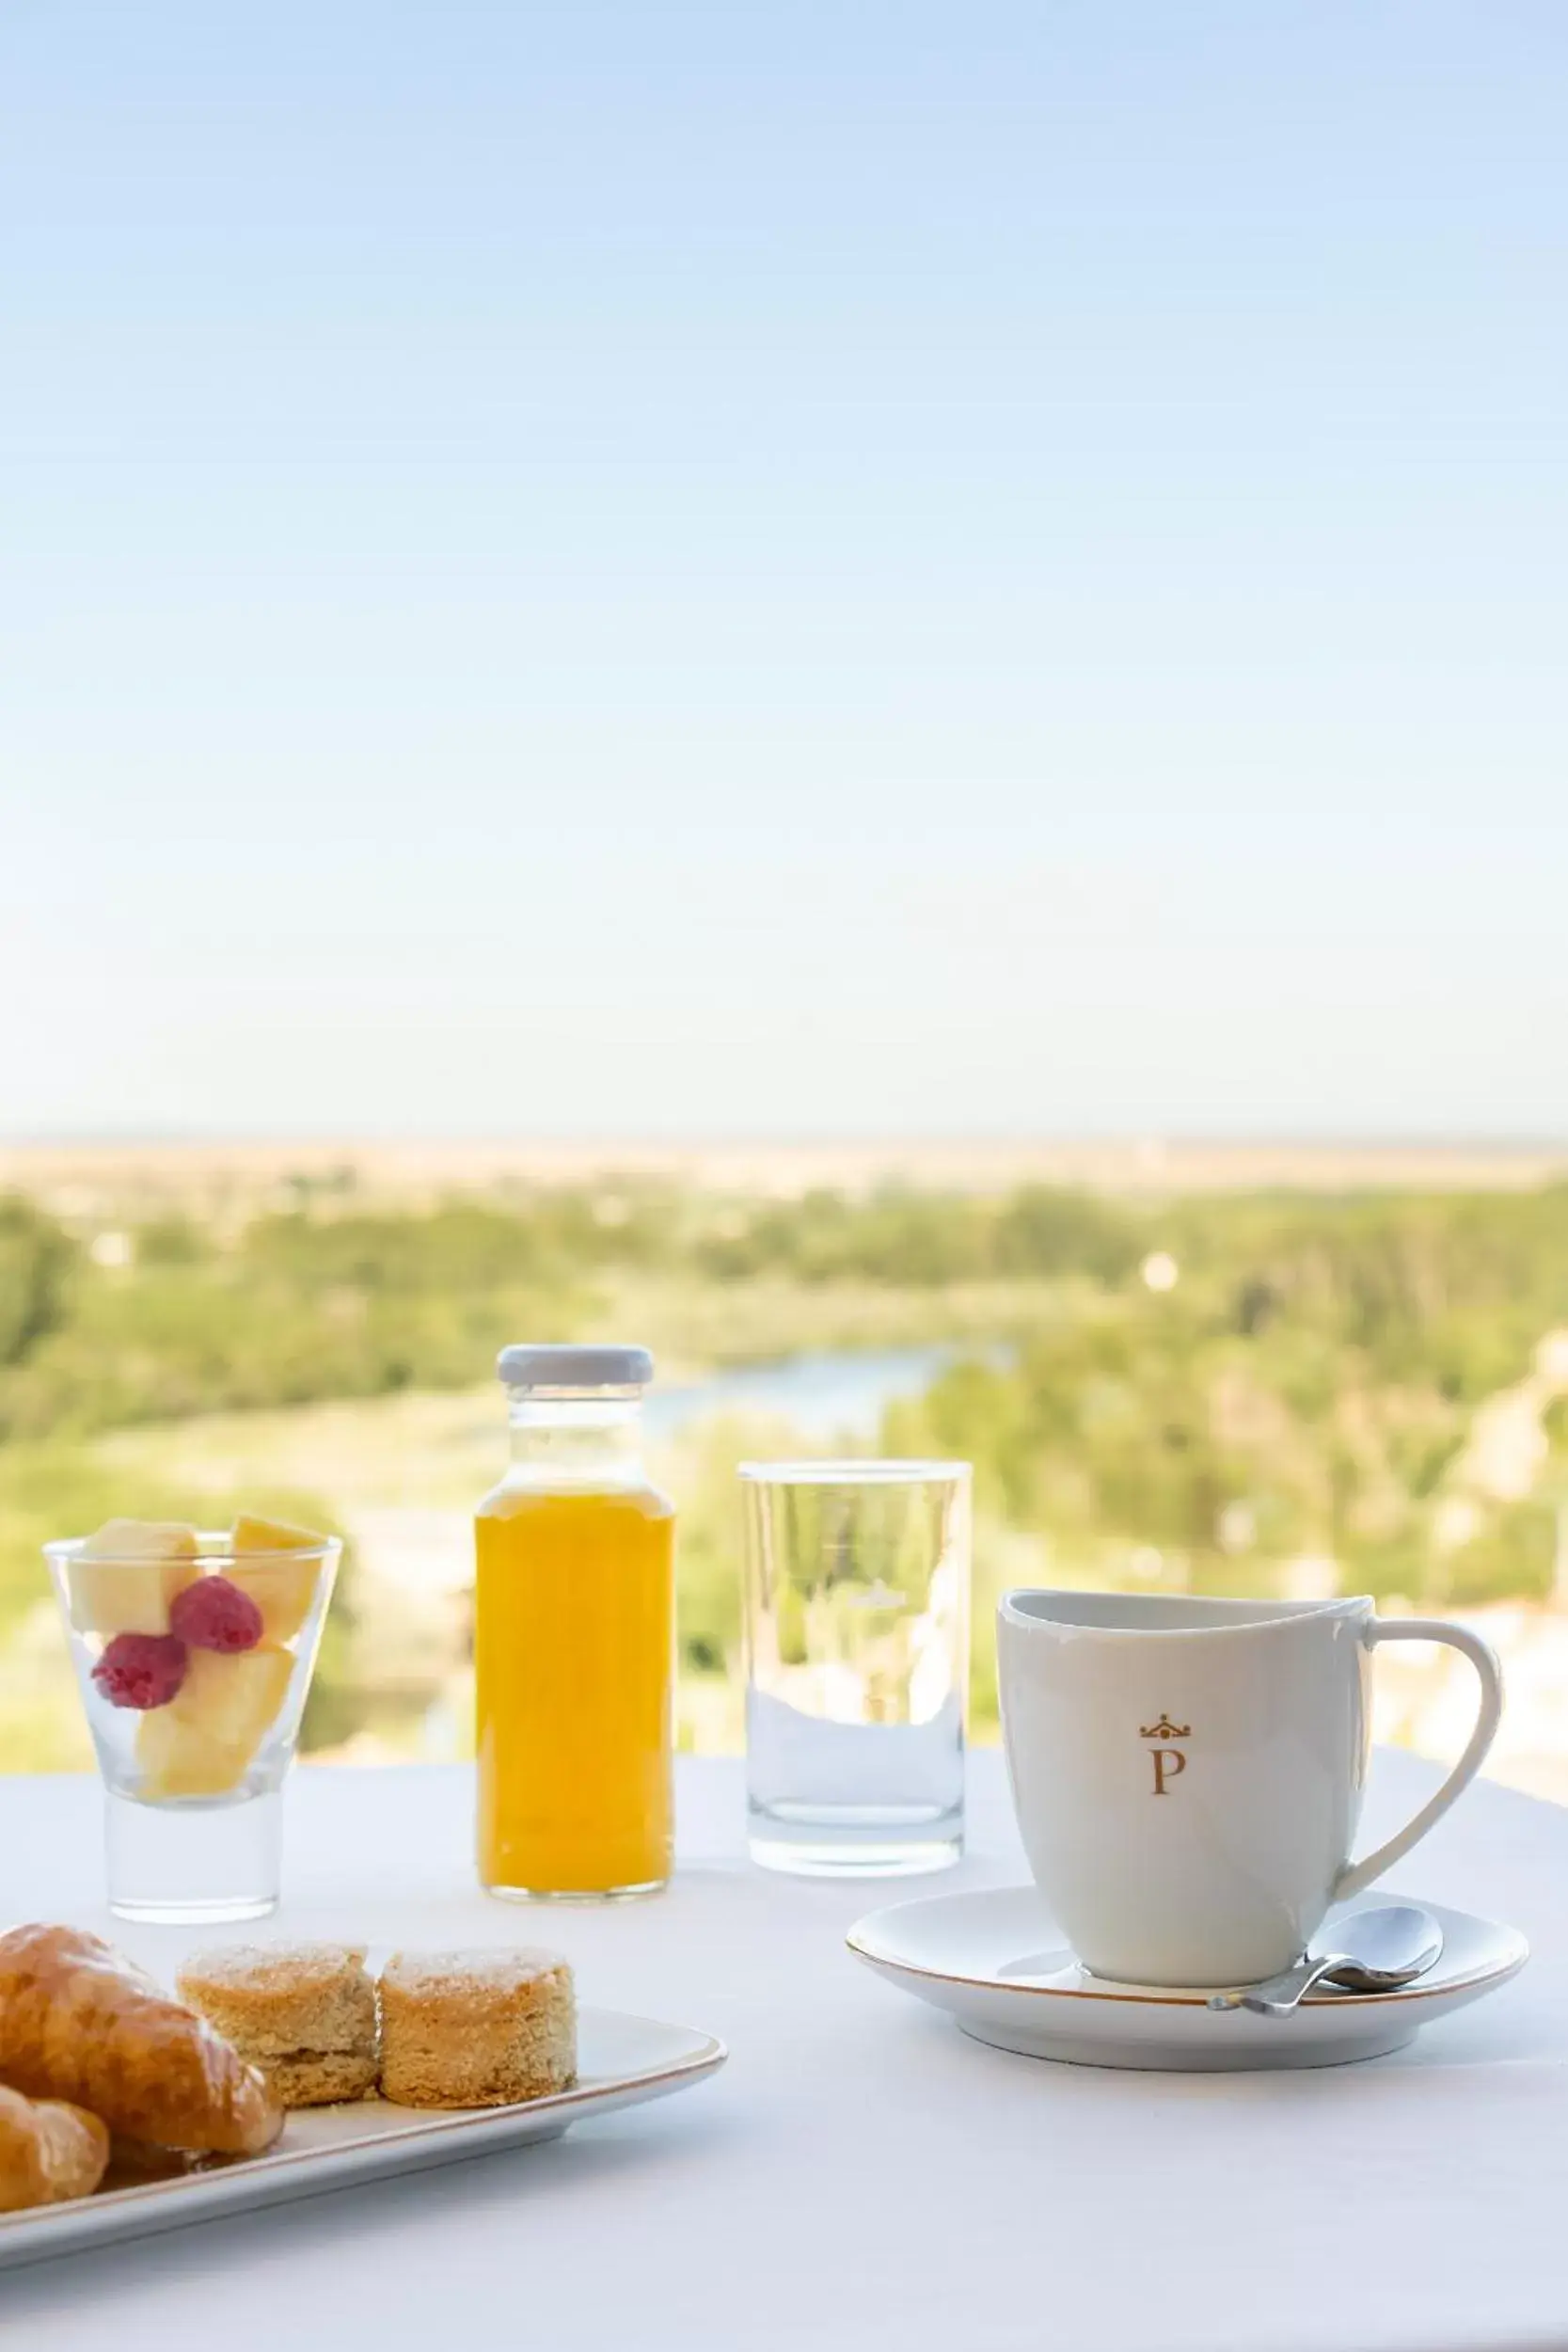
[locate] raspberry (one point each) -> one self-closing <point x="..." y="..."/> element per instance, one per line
<point x="141" y="1670"/>
<point x="212" y="1614"/>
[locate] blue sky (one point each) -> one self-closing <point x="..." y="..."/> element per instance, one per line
<point x="782" y="568"/>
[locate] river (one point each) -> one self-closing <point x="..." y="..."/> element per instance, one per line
<point x="822" y="1396"/>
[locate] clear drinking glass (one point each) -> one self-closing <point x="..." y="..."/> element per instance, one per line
<point x="194" y="1749"/>
<point x="856" y="1665"/>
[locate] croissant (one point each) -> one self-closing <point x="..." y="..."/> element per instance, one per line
<point x="134" y="2163"/>
<point x="79" y="2023"/>
<point x="48" y="2151"/>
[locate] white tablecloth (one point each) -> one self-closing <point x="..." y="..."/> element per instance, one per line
<point x="861" y="2174"/>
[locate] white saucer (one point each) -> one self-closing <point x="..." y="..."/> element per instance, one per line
<point x="998" y="1962"/>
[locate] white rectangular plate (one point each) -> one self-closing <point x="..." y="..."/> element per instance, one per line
<point x="621" y="2061"/>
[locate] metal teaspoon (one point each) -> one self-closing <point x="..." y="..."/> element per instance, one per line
<point x="1379" y="1950"/>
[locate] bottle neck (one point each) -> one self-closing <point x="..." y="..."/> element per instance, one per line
<point x="577" y="1437"/>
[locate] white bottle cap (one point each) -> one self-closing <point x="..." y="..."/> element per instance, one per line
<point x="574" y="1367"/>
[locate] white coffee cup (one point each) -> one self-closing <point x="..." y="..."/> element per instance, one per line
<point x="1188" y="1774"/>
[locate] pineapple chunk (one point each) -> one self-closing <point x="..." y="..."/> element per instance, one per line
<point x="181" y="1761"/>
<point x="124" y="1578"/>
<point x="282" y="1589"/>
<point x="231" y="1701"/>
<point x="202" y="1743"/>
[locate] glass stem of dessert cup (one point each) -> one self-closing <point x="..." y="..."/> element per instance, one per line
<point x="194" y="1862"/>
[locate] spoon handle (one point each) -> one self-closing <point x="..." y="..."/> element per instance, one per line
<point x="1280" y="1994"/>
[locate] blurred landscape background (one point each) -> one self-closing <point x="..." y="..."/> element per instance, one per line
<point x="1216" y="1368"/>
<point x="893" y="584"/>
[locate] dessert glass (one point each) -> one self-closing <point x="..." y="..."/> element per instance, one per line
<point x="192" y="1780"/>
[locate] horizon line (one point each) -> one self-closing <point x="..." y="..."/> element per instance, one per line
<point x="1143" y="1140"/>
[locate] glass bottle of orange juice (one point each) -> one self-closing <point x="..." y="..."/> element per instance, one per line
<point x="573" y="1635"/>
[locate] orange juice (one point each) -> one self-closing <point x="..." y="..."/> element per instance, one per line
<point x="574" y="1656"/>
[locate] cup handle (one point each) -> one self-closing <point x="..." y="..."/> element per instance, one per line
<point x="1355" y="1875"/>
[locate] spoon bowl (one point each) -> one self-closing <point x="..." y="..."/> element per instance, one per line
<point x="1377" y="1950"/>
